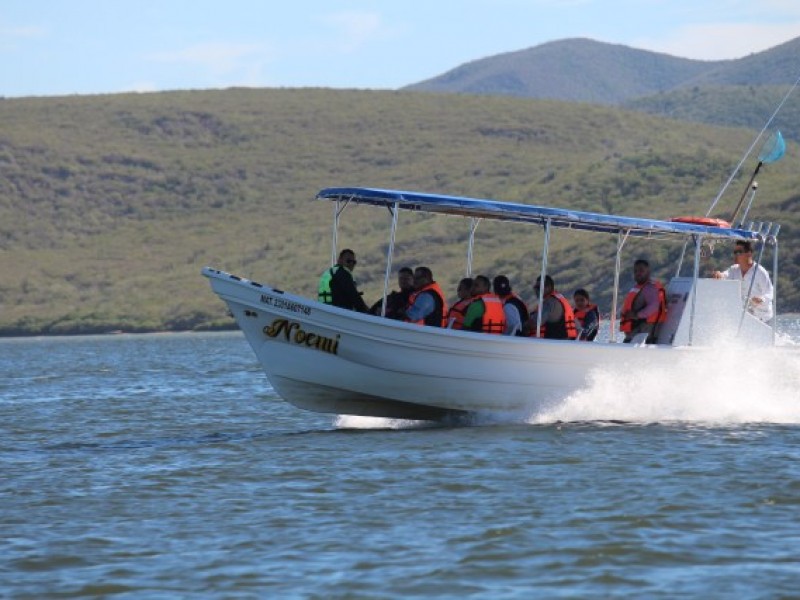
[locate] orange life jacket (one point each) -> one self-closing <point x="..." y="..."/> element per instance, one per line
<point x="580" y="317"/>
<point x="457" y="312"/>
<point x="562" y="329"/>
<point x="438" y="317"/>
<point x="494" y="317"/>
<point x="626" y="325"/>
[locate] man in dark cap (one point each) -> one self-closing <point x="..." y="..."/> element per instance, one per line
<point x="514" y="307"/>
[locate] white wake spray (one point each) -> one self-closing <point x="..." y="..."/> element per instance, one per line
<point x="729" y="385"/>
<point x="355" y="422"/>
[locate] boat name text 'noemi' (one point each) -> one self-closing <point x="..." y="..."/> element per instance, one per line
<point x="293" y="333"/>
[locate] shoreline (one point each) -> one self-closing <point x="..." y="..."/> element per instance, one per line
<point x="21" y="334"/>
<point x="227" y="328"/>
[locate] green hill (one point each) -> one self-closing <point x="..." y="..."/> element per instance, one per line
<point x="579" y="70"/>
<point x="741" y="92"/>
<point x="584" y="70"/>
<point x="110" y="205"/>
<point x="773" y="67"/>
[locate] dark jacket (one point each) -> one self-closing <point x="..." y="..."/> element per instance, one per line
<point x="396" y="303"/>
<point x="344" y="292"/>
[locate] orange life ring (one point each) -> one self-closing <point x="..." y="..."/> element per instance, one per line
<point x="709" y="221"/>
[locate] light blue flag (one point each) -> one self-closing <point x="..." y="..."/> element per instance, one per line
<point x="773" y="149"/>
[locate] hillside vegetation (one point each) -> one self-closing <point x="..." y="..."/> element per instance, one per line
<point x="110" y="205"/>
<point x="744" y="106"/>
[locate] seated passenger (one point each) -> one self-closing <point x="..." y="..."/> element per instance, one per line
<point x="587" y="316"/>
<point x="558" y="320"/>
<point x="337" y="285"/>
<point x="396" y="302"/>
<point x="515" y="309"/>
<point x="485" y="312"/>
<point x="645" y="306"/>
<point x="455" y="316"/>
<point x="427" y="305"/>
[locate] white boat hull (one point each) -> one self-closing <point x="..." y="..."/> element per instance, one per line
<point x="327" y="359"/>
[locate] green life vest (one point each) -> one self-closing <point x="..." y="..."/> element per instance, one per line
<point x="324" y="294"/>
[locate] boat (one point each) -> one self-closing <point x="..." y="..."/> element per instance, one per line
<point x="327" y="359"/>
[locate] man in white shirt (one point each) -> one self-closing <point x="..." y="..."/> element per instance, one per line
<point x="750" y="273"/>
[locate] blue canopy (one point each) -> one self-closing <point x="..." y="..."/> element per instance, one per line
<point x="529" y="213"/>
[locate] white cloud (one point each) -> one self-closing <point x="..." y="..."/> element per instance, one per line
<point x="355" y="29"/>
<point x="219" y="58"/>
<point x="13" y="38"/>
<point x="26" y="32"/>
<point x="141" y="87"/>
<point x="719" y="41"/>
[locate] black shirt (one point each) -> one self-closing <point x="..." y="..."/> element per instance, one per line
<point x="396" y="303"/>
<point x="344" y="292"/>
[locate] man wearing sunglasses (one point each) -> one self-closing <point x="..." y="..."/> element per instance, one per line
<point x="337" y="286"/>
<point x="750" y="274"/>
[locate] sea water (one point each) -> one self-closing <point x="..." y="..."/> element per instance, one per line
<point x="160" y="466"/>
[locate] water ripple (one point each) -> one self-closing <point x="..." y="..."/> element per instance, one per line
<point x="164" y="466"/>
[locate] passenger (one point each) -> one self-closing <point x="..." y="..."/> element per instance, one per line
<point x="587" y="315"/>
<point x="514" y="307"/>
<point x="485" y="312"/>
<point x="558" y="320"/>
<point x="455" y="316"/>
<point x="337" y="286"/>
<point x="645" y="306"/>
<point x="396" y="302"/>
<point x="427" y="305"/>
<point x="760" y="303"/>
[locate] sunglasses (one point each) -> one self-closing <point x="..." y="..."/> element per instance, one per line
<point x="351" y="261"/>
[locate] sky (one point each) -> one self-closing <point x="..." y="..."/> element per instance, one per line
<point x="65" y="47"/>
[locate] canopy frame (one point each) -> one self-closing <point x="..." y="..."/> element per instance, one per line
<point x="622" y="227"/>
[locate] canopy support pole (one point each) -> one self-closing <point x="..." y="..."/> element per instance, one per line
<point x="680" y="260"/>
<point x="389" y="255"/>
<point x="621" y="239"/>
<point x="338" y="209"/>
<point x="473" y="225"/>
<point x="543" y="274"/>
<point x="698" y="240"/>
<point x="335" y="232"/>
<point x="774" y="236"/>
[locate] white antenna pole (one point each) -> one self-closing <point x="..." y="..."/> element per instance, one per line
<point x="750" y="149"/>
